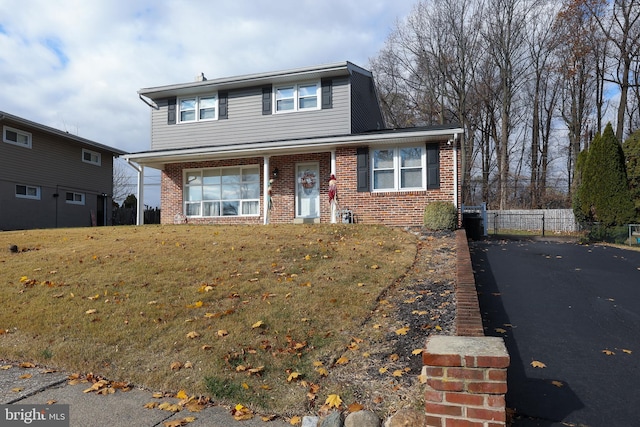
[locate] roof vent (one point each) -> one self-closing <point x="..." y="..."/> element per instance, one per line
<point x="201" y="78"/>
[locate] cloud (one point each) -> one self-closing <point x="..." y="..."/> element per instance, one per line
<point x="77" y="65"/>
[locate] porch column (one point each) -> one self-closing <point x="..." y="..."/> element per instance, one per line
<point x="140" y="214"/>
<point x="265" y="190"/>
<point x="333" y="172"/>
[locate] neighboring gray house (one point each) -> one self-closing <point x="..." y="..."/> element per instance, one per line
<point x="219" y="143"/>
<point x="50" y="178"/>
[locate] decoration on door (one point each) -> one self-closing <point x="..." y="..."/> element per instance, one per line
<point x="308" y="181"/>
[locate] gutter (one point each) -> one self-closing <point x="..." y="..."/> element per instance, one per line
<point x="300" y="146"/>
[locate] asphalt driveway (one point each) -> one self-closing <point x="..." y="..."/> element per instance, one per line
<point x="575" y="309"/>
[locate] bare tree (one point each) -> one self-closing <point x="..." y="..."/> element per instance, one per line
<point x="621" y="28"/>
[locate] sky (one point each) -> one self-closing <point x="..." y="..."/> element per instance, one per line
<point x="76" y="65"/>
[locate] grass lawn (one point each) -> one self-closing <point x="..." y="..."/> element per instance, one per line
<point x="244" y="314"/>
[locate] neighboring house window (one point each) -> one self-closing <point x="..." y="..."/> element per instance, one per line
<point x="27" y="192"/>
<point x="198" y="108"/>
<point x="230" y="191"/>
<point x="75" y="198"/>
<point x="399" y="168"/>
<point x="92" y="157"/>
<point x="299" y="97"/>
<point x="16" y="137"/>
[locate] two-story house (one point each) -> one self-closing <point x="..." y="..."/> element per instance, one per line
<point x="50" y="178"/>
<point x="262" y="148"/>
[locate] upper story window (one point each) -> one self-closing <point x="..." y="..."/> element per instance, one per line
<point x="198" y="108"/>
<point x="74" y="198"/>
<point x="399" y="168"/>
<point x="92" y="157"/>
<point x="297" y="97"/>
<point x="16" y="137"/>
<point x="27" y="192"/>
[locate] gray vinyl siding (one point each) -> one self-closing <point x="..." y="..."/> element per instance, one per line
<point x="53" y="161"/>
<point x="246" y="123"/>
<point x="365" y="109"/>
<point x="55" y="165"/>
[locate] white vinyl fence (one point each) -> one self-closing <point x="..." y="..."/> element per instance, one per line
<point x="545" y="220"/>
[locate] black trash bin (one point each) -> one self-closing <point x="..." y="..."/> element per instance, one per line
<point x="472" y="223"/>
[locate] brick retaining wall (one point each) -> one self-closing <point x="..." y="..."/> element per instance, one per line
<point x="466" y="374"/>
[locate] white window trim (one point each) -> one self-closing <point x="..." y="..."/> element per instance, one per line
<point x="296" y="97"/>
<point x="397" y="170"/>
<point x="19" y="132"/>
<point x="74" y="201"/>
<point x="240" y="214"/>
<point x="93" y="153"/>
<point x="27" y="196"/>
<point x="197" y="108"/>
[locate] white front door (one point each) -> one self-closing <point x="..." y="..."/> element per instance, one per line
<point x="307" y="190"/>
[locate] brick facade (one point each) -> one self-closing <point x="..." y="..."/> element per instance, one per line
<point x="389" y="208"/>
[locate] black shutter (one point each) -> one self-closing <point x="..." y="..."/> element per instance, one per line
<point x="266" y="100"/>
<point x="327" y="100"/>
<point x="223" y="104"/>
<point x="362" y="169"/>
<point x="433" y="166"/>
<point x="171" y="111"/>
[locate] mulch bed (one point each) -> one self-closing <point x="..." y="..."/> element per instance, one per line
<point x="421" y="303"/>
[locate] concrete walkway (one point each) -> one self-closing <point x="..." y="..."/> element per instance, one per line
<point x="29" y="386"/>
<point x="570" y="316"/>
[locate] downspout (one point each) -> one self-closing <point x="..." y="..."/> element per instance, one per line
<point x="139" y="192"/>
<point x="455" y="170"/>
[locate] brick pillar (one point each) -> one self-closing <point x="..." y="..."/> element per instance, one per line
<point x="466" y="381"/>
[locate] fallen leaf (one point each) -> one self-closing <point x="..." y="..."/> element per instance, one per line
<point x="333" y="401"/>
<point x="25" y="376"/>
<point x="295" y="420"/>
<point x="382" y="370"/>
<point x="402" y="331"/>
<point x="417" y="351"/>
<point x="342" y="361"/>
<point x="394" y="357"/>
<point x="537" y="364"/>
<point x="397" y="373"/>
<point x="608" y="352"/>
<point x="5" y="367"/>
<point x="294" y="376"/>
<point x="17" y="389"/>
<point x="241" y="413"/>
<point x="355" y="407"/>
<point x="322" y="371"/>
<point x="175" y="366"/>
<point x="92" y="311"/>
<point x="557" y="383"/>
<point x="157" y="395"/>
<point x="374" y="267"/>
<point x="222" y="333"/>
<point x="27" y="365"/>
<point x="624" y="350"/>
<point x="257" y="324"/>
<point x="501" y="331"/>
<point x="181" y="395"/>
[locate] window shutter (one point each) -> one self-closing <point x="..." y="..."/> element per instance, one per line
<point x="266" y="100"/>
<point x="362" y="169"/>
<point x="223" y="104"/>
<point x="171" y="111"/>
<point x="327" y="95"/>
<point x="433" y="166"/>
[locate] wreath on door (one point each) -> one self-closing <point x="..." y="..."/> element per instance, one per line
<point x="308" y="181"/>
